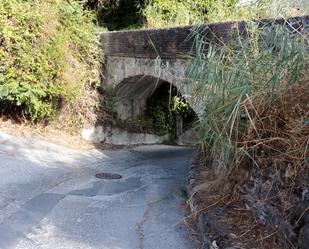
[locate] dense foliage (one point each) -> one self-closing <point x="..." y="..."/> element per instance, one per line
<point x="162" y="13"/>
<point x="165" y="13"/>
<point x="128" y="14"/>
<point x="118" y="14"/>
<point x="46" y="54"/>
<point x="162" y="110"/>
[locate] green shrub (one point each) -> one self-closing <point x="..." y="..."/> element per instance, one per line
<point x="118" y="14"/>
<point x="166" y="13"/>
<point x="46" y="51"/>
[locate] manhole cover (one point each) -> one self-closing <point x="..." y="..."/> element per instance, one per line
<point x="108" y="176"/>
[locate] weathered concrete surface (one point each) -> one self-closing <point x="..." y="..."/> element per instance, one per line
<point x="176" y="43"/>
<point x="49" y="197"/>
<point x="191" y="136"/>
<point x="117" y="136"/>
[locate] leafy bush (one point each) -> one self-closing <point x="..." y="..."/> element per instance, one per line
<point x="46" y="51"/>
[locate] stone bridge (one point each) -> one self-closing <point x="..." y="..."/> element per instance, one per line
<point x="137" y="62"/>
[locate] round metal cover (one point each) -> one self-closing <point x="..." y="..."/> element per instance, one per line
<point x="108" y="176"/>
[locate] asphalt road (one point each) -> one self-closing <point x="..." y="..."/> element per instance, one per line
<point x="51" y="199"/>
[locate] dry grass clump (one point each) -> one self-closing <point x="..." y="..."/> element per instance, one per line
<point x="277" y="141"/>
<point x="227" y="221"/>
<point x="278" y="137"/>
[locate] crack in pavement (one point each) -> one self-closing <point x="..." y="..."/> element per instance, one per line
<point x="140" y="227"/>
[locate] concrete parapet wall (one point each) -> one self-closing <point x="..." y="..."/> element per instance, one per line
<point x="176" y="42"/>
<point x="117" y="136"/>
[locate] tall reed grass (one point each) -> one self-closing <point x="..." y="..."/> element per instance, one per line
<point x="230" y="79"/>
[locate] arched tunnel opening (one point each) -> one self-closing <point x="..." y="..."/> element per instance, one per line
<point x="145" y="104"/>
<point x="168" y="112"/>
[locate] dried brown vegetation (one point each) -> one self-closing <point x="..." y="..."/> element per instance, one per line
<point x="263" y="202"/>
<point x="278" y="138"/>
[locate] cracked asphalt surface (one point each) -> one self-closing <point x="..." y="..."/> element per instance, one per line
<point x="51" y="199"/>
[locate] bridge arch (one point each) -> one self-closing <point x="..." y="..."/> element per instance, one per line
<point x="146" y="101"/>
<point x="133" y="80"/>
<point x="132" y="93"/>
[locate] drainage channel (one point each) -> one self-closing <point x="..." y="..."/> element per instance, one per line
<point x="108" y="176"/>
